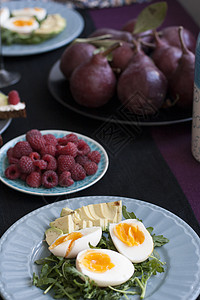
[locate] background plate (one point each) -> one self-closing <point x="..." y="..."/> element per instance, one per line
<point x="113" y="111"/>
<point x="22" y="244"/>
<point x="77" y="186"/>
<point x="75" y="24"/>
<point x="4" y="124"/>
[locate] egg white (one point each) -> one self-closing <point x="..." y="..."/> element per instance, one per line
<point x="137" y="253"/>
<point x="26" y="29"/>
<point x="120" y="273"/>
<point x="38" y="12"/>
<point x="91" y="236"/>
<point x="4" y="15"/>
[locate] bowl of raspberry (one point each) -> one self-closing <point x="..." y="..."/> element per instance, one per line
<point x="52" y="162"/>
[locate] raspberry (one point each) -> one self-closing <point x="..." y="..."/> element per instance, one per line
<point x="49" y="179"/>
<point x="94" y="156"/>
<point x="13" y="160"/>
<point x="23" y="176"/>
<point x="90" y="168"/>
<point x="82" y="159"/>
<point x="26" y="165"/>
<point x="51" y="162"/>
<point x="32" y="132"/>
<point x="68" y="138"/>
<point x="13" y="97"/>
<point x="34" y="179"/>
<point x="10" y="152"/>
<point x="65" y="163"/>
<point x="83" y="147"/>
<point x="78" y="172"/>
<point x="40" y="164"/>
<point x="34" y="156"/>
<point x="65" y="179"/>
<point x="69" y="149"/>
<point x="50" y="139"/>
<point x="12" y="172"/>
<point x="48" y="149"/>
<point x="37" y="142"/>
<point x="22" y="148"/>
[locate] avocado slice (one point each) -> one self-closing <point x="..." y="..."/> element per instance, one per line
<point x="3" y="99"/>
<point x="52" y="25"/>
<point x="66" y="211"/>
<point x="66" y="224"/>
<point x="51" y="234"/>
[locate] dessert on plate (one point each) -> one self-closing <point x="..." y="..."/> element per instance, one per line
<point x="11" y="106"/>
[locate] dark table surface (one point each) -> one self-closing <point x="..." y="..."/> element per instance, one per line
<point x="154" y="165"/>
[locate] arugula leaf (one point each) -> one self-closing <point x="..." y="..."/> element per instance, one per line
<point x="159" y="240"/>
<point x="126" y="214"/>
<point x="10" y="37"/>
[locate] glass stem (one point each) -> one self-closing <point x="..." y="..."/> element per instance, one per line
<point x="1" y="56"/>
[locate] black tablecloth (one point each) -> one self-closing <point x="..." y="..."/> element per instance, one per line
<point x="136" y="169"/>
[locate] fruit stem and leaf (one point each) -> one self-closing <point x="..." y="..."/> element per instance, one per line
<point x="151" y="17"/>
<point x="92" y="39"/>
<point x="183" y="46"/>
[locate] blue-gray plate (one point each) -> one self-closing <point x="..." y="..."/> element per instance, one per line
<point x="20" y="185"/>
<point x="75" y="24"/>
<point x="22" y="244"/>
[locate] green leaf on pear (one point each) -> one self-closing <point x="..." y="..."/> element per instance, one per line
<point x="151" y="17"/>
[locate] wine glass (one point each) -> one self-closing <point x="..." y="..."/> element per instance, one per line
<point x="7" y="78"/>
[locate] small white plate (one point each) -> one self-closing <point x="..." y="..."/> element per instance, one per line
<point x="22" y="244"/>
<point x="75" y="25"/>
<point x="58" y="190"/>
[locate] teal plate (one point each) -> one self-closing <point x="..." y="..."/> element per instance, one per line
<point x="22" y="244"/>
<point x="75" y="25"/>
<point x="77" y="186"/>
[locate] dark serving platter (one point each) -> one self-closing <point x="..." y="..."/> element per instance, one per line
<point x="112" y="111"/>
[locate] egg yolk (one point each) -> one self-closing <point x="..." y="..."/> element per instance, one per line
<point x="97" y="262"/>
<point x="37" y="8"/>
<point x="21" y="23"/>
<point x="71" y="236"/>
<point x="129" y="234"/>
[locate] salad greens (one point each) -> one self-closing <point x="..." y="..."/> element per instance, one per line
<point x="60" y="274"/>
<point x="10" y="37"/>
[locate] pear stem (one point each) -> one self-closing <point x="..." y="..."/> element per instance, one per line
<point x="150" y="45"/>
<point x="111" y="48"/>
<point x="183" y="46"/>
<point x="92" y="39"/>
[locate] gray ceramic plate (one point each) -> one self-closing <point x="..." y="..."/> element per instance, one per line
<point x="75" y="24"/>
<point x="22" y="244"/>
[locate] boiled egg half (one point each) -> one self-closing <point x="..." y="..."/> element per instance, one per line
<point x="132" y="239"/>
<point x="69" y="245"/>
<point x="23" y="25"/>
<point x="105" y="267"/>
<point x="38" y="12"/>
<point x="4" y="15"/>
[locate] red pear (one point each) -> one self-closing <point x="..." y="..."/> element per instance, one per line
<point x="181" y="84"/>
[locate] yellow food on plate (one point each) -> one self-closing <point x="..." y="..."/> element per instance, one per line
<point x="100" y="214"/>
<point x="23" y="25"/>
<point x="38" y="12"/>
<point x="132" y="239"/>
<point x="69" y="245"/>
<point x="105" y="267"/>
